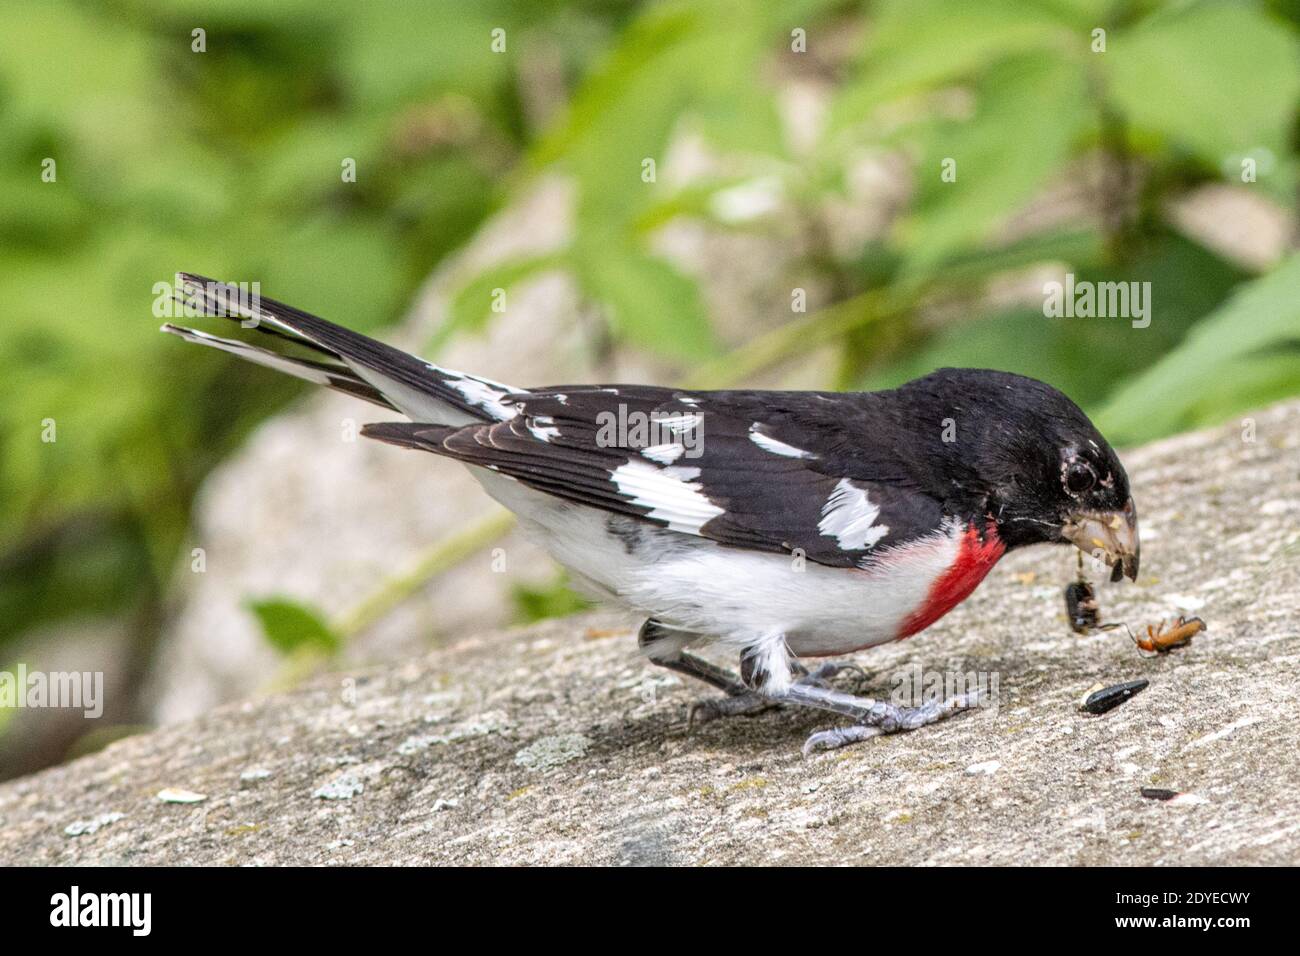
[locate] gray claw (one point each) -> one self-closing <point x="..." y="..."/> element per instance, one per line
<point x="839" y="737"/>
<point x="886" y="718"/>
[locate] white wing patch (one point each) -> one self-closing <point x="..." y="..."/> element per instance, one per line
<point x="776" y="447"/>
<point x="543" y="428"/>
<point x="482" y="393"/>
<point x="665" y="454"/>
<point x="680" y="423"/>
<point x="421" y="406"/>
<point x="668" y="493"/>
<point x="850" y="517"/>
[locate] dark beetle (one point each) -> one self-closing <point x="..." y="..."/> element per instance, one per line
<point x="1082" y="607"/>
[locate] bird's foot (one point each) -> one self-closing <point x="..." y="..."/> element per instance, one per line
<point x="876" y="717"/>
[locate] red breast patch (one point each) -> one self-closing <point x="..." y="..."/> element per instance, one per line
<point x="975" y="559"/>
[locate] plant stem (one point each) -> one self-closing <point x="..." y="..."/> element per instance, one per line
<point x="793" y="338"/>
<point x="442" y="556"/>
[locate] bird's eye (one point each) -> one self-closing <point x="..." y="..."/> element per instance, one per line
<point x="1079" y="477"/>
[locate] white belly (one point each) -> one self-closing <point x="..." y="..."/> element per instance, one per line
<point x="728" y="594"/>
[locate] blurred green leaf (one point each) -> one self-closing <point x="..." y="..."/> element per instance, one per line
<point x="539" y="603"/>
<point x="8" y="712"/>
<point x="397" y="49"/>
<point x="917" y="44"/>
<point x="608" y="111"/>
<point x="305" y="164"/>
<point x="81" y="67"/>
<point x="347" y="267"/>
<point x="1082" y="248"/>
<point x="1029" y="113"/>
<point x="1084" y="357"/>
<point x="650" y="303"/>
<point x="226" y="162"/>
<point x="472" y="306"/>
<point x="1256" y="334"/>
<point x="289" y="626"/>
<point x="1243" y="384"/>
<point x="1219" y="79"/>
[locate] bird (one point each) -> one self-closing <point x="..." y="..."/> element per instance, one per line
<point x="778" y="525"/>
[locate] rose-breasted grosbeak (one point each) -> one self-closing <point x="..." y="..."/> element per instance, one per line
<point x="780" y="524"/>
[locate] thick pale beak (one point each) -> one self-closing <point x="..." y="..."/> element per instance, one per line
<point x="1110" y="536"/>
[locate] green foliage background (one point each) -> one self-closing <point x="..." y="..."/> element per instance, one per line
<point x="229" y="162"/>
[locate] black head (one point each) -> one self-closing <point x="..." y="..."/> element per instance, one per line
<point x="1029" y="457"/>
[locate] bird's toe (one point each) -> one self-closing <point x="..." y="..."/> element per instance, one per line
<point x="839" y="737"/>
<point x="739" y="705"/>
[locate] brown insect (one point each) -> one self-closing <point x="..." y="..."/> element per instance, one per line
<point x="1161" y="641"/>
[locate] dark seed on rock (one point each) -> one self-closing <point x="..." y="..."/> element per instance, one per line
<point x="1111" y="697"/>
<point x="1158" y="793"/>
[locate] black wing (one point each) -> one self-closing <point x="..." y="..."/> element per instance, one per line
<point x="768" y="471"/>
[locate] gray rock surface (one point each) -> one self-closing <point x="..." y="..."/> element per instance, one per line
<point x="557" y="744"/>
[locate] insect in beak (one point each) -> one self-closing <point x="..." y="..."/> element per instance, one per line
<point x="1110" y="536"/>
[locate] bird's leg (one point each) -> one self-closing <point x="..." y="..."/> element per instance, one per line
<point x="873" y="717"/>
<point x="754" y="700"/>
<point x="663" y="646"/>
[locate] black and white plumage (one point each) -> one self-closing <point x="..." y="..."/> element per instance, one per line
<point x="782" y="524"/>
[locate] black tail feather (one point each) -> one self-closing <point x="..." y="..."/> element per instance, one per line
<point x="398" y="378"/>
<point x="421" y="435"/>
<point x="330" y="374"/>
